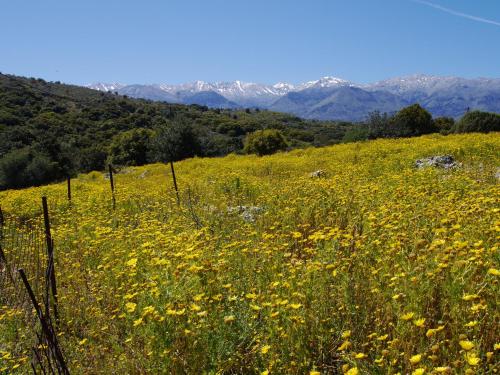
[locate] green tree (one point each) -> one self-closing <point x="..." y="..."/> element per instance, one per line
<point x="174" y="140"/>
<point x="92" y="158"/>
<point x="264" y="142"/>
<point x="444" y="124"/>
<point x="477" y="121"/>
<point x="378" y="125"/>
<point x="412" y="121"/>
<point x="130" y="147"/>
<point x="25" y="167"/>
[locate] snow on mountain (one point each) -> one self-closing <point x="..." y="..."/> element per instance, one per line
<point x="325" y="82"/>
<point x="105" y="86"/>
<point x="428" y="84"/>
<point x="245" y="93"/>
<point x="329" y="97"/>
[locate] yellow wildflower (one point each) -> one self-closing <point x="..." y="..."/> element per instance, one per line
<point x="466" y="345"/>
<point x="265" y="349"/>
<point x="345" y="345"/>
<point x="130" y="306"/>
<point x="408" y="316"/>
<point x="419" y="322"/>
<point x="494" y="272"/>
<point x="414" y="359"/>
<point x="132" y="262"/>
<point x="472" y="359"/>
<point x="137" y="322"/>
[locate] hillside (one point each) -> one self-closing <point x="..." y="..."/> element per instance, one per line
<point x="375" y="266"/>
<point x="63" y="129"/>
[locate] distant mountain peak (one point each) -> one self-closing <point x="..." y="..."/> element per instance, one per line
<point x="325" y="82"/>
<point x="329" y="97"/>
<point x="100" y="86"/>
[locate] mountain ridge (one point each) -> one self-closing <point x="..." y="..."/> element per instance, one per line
<point x="322" y="99"/>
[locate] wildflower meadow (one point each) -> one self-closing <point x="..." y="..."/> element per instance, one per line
<point x="370" y="267"/>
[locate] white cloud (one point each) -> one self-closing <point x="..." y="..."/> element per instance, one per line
<point x="456" y="13"/>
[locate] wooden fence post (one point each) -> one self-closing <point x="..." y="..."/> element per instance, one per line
<point x="175" y="182"/>
<point x="47" y="330"/>
<point x="112" y="183"/>
<point x="50" y="275"/>
<point x="69" y="188"/>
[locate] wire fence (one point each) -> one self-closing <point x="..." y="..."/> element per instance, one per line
<point x="22" y="245"/>
<point x="28" y="284"/>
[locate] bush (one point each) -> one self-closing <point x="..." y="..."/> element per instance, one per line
<point x="174" y="140"/>
<point x="356" y="134"/>
<point x="264" y="142"/>
<point x="24" y="167"/>
<point x="477" y="121"/>
<point x="378" y="125"/>
<point x="444" y="124"/>
<point x="412" y="121"/>
<point x="92" y="159"/>
<point x="130" y="147"/>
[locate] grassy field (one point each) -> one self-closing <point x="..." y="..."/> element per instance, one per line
<point x="374" y="268"/>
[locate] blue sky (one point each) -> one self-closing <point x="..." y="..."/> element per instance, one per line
<point x="174" y="41"/>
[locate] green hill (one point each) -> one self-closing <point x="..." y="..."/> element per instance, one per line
<point x="49" y="130"/>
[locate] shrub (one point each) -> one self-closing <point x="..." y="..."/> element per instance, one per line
<point x="477" y="121"/>
<point x="264" y="142"/>
<point x="92" y="158"/>
<point x="412" y="121"/>
<point x="24" y="167"/>
<point x="174" y="140"/>
<point x="378" y="125"/>
<point x="356" y="134"/>
<point x="444" y="124"/>
<point x="130" y="147"/>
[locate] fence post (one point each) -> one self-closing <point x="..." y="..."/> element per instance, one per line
<point x="112" y="183"/>
<point x="47" y="330"/>
<point x="69" y="188"/>
<point x="175" y="182"/>
<point x="51" y="275"/>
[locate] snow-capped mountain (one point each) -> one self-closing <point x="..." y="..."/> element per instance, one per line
<point x="325" y="82"/>
<point x="247" y="94"/>
<point x="329" y="97"/>
<point x="105" y="86"/>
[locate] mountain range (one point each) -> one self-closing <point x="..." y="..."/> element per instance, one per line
<point x="329" y="98"/>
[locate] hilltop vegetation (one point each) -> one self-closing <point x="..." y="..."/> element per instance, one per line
<point x="49" y="131"/>
<point x="375" y="267"/>
<point x="58" y="129"/>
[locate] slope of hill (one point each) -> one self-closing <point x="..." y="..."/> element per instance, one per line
<point x="64" y="129"/>
<point x="373" y="267"/>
